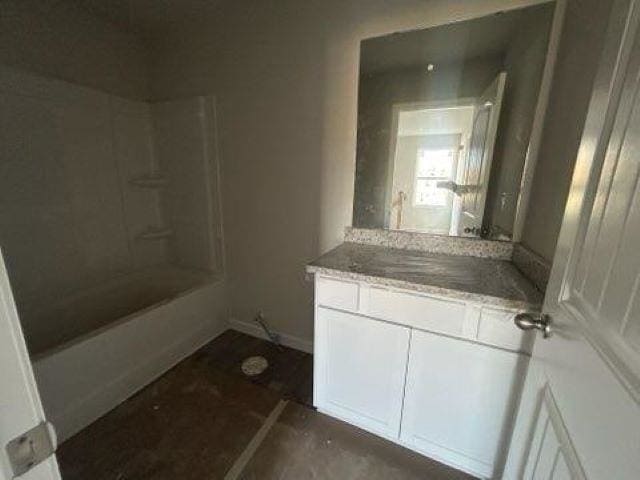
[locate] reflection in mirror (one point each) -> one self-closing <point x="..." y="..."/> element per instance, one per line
<point x="444" y="120"/>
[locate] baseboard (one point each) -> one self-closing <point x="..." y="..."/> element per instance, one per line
<point x="287" y="340"/>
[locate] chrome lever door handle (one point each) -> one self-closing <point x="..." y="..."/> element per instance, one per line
<point x="534" y="321"/>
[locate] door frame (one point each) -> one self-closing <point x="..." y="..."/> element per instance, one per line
<point x="24" y="409"/>
<point x="396" y="109"/>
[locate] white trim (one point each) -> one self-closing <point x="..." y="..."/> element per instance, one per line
<point x="297" y="343"/>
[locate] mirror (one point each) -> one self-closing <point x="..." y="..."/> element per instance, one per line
<point x="445" y="116"/>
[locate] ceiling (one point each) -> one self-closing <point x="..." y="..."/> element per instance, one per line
<point x="477" y="38"/>
<point x="147" y="16"/>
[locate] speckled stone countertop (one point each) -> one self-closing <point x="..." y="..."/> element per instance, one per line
<point x="483" y="280"/>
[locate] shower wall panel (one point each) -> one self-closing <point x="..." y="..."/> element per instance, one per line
<point x="186" y="153"/>
<point x="64" y="221"/>
<point x="134" y="153"/>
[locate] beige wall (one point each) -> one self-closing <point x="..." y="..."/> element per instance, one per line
<point x="578" y="56"/>
<point x="285" y="74"/>
<point x="58" y="39"/>
<point x="524" y="64"/>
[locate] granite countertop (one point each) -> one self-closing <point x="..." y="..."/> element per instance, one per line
<point x="483" y="280"/>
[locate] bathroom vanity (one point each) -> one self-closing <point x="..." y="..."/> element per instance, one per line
<point x="414" y="335"/>
<point x="421" y="348"/>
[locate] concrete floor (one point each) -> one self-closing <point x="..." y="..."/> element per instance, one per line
<point x="205" y="420"/>
<point x="305" y="444"/>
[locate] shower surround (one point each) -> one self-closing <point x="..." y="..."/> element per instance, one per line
<point x="111" y="229"/>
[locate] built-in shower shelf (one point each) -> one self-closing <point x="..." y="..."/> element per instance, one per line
<point x="153" y="233"/>
<point x="149" y="181"/>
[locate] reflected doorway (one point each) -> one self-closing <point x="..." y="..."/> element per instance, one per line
<point x="431" y="143"/>
<point x="440" y="161"/>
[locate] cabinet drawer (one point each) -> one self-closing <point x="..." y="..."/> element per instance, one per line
<point x="496" y="327"/>
<point x="417" y="311"/>
<point x="337" y="294"/>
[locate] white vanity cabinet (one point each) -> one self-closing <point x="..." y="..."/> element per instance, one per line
<point x="440" y="376"/>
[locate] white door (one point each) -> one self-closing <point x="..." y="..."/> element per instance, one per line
<point x="477" y="167"/>
<point x="20" y="408"/>
<point x="580" y="413"/>
<point x="360" y="367"/>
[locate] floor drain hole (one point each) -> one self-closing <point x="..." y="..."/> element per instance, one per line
<point x="254" y="366"/>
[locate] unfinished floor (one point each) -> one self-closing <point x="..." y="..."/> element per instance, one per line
<point x="205" y="420"/>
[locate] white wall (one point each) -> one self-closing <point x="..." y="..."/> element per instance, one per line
<point x="285" y="75"/>
<point x="60" y="40"/>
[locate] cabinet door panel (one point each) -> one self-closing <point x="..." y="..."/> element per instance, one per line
<point x="360" y="370"/>
<point x="460" y="400"/>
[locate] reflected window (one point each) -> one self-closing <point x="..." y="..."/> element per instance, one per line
<point x="432" y="166"/>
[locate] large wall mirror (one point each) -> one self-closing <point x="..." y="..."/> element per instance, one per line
<point x="445" y="117"/>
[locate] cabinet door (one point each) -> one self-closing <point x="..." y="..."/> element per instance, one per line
<point x="460" y="401"/>
<point x="360" y="367"/>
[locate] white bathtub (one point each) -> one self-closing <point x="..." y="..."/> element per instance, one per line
<point x="114" y="339"/>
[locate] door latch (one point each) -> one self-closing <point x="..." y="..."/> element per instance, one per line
<point x="31" y="448"/>
<point x="534" y="321"/>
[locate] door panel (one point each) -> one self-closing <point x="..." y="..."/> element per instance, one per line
<point x="590" y="366"/>
<point x="361" y="366"/>
<point x="603" y="286"/>
<point x="552" y="456"/>
<point x="477" y="167"/>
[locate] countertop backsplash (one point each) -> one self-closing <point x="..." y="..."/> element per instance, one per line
<point x="531" y="265"/>
<point x="424" y="242"/>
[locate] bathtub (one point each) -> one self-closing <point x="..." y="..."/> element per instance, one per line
<point x="106" y="343"/>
